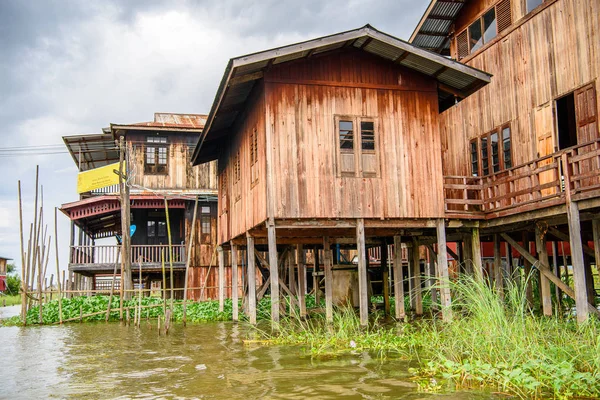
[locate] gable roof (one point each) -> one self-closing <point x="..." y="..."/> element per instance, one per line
<point x="243" y="72"/>
<point x="435" y="27"/>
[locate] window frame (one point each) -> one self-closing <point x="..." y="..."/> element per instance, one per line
<point x="205" y="237"/>
<point x="357" y="147"/>
<point x="525" y="5"/>
<point x="486" y="140"/>
<point x="254" y="171"/>
<point x="157" y="147"/>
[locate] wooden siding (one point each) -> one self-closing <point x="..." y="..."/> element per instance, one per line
<point x="302" y="101"/>
<point x="180" y="173"/>
<point x="242" y="205"/>
<point x="552" y="52"/>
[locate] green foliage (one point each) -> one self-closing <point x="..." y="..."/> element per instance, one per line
<point x="13" y="284"/>
<point x="10" y="268"/>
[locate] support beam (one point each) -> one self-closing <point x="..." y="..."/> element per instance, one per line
<point x="291" y="272"/>
<point x="327" y="259"/>
<point x="362" y="272"/>
<point x="498" y="273"/>
<point x="565" y="238"/>
<point x="317" y="277"/>
<point x="385" y="277"/>
<point x="557" y="291"/>
<point x="527" y="270"/>
<point x="398" y="279"/>
<point x="274" y="272"/>
<point x="416" y="268"/>
<point x="442" y="266"/>
<point x="221" y="284"/>
<point x="251" y="278"/>
<point x="581" y="301"/>
<point x="234" y="282"/>
<point x="540" y="244"/>
<point x="476" y="254"/>
<point x="301" y="261"/>
<point x="545" y="269"/>
<point x="468" y="255"/>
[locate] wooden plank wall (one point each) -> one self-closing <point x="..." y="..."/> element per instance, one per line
<point x="302" y="100"/>
<point x="181" y="175"/>
<point x="245" y="200"/>
<point x="552" y="53"/>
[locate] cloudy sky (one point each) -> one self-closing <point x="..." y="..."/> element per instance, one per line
<point x="73" y="66"/>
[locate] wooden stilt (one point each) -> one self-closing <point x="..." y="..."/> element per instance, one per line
<point x="317" y="277"/>
<point x="556" y="268"/>
<point x="527" y="270"/>
<point x="274" y="271"/>
<point x="540" y="243"/>
<point x="476" y="254"/>
<point x="221" y="283"/>
<point x="581" y="300"/>
<point x="234" y="282"/>
<point x="126" y="276"/>
<point x="398" y="279"/>
<point x="468" y="255"/>
<point x="416" y="268"/>
<point x="589" y="280"/>
<point x="362" y="272"/>
<point x="442" y="264"/>
<point x="385" y="278"/>
<point x="251" y="278"/>
<point x="327" y="261"/>
<point x="188" y="261"/>
<point x="433" y="278"/>
<point x="291" y="270"/>
<point x="596" y="237"/>
<point x="301" y="261"/>
<point x="498" y="273"/>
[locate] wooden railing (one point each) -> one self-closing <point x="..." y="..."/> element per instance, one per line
<point x="109" y="254"/>
<point x="538" y="183"/>
<point x="112" y="189"/>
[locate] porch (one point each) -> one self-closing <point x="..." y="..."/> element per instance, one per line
<point x="545" y="182"/>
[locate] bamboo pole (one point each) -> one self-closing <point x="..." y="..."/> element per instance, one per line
<point x="140" y="293"/>
<point x="112" y="287"/>
<point x="57" y="265"/>
<point x="164" y="281"/>
<point x="188" y="260"/>
<point x="170" y="252"/>
<point x="23" y="282"/>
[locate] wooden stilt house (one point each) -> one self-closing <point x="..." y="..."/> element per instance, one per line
<point x="333" y="143"/>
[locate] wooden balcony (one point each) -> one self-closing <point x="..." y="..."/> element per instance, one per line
<point x="104" y="257"/>
<point x="541" y="183"/>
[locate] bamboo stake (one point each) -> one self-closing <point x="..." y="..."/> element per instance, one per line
<point x="140" y="292"/>
<point x="35" y="214"/>
<point x="164" y="281"/>
<point x="23" y="282"/>
<point x="170" y="251"/>
<point x="187" y="262"/>
<point x="26" y="278"/>
<point x="112" y="287"/>
<point x="57" y="266"/>
<point x="51" y="284"/>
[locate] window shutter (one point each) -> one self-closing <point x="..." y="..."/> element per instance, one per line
<point x="462" y="45"/>
<point x="503" y="15"/>
<point x="586" y="114"/>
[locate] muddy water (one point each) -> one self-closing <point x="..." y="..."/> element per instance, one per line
<point x="206" y="361"/>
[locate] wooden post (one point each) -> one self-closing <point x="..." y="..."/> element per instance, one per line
<point x="301" y="261"/>
<point x="498" y="273"/>
<point x="362" y="272"/>
<point x="476" y="254"/>
<point x="528" y="275"/>
<point x="596" y="237"/>
<point x="291" y="273"/>
<point x="398" y="279"/>
<point x="126" y="278"/>
<point x="540" y="243"/>
<point x="112" y="288"/>
<point x="442" y="264"/>
<point x="468" y="255"/>
<point x="385" y="277"/>
<point x="328" y="279"/>
<point x="274" y="271"/>
<point x="169" y="239"/>
<point x="416" y="269"/>
<point x="433" y="278"/>
<point x="251" y="278"/>
<point x="188" y="261"/>
<point x="57" y="265"/>
<point x="221" y="283"/>
<point x="234" y="282"/>
<point x="316" y="276"/>
<point x="589" y="279"/>
<point x="557" y="291"/>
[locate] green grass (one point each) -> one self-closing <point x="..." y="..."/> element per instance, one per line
<point x="11" y="300"/>
<point x="491" y="344"/>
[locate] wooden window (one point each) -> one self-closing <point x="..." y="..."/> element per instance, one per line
<point x="205" y="225"/>
<point x="156" y="158"/>
<point x="156" y="229"/>
<point x="237" y="177"/>
<point x="474" y="148"/>
<point x="254" y="157"/>
<point x="224" y="191"/>
<point x="484" y="29"/>
<point x="532" y="5"/>
<point x="357" y="147"/>
<point x="494" y="153"/>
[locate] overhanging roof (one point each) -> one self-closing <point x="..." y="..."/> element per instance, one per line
<point x="243" y="72"/>
<point x="92" y="150"/>
<point x="435" y="27"/>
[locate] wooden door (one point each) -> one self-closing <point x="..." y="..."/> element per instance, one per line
<point x="545" y="144"/>
<point x="586" y="115"/>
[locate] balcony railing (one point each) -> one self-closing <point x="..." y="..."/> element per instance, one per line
<point x="539" y="183"/>
<point x="110" y="254"/>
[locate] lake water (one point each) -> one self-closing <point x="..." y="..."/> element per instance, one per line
<point x="207" y="361"/>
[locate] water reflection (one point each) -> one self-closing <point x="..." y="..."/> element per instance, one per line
<point x="206" y="361"/>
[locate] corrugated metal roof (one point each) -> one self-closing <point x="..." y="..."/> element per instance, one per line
<point x="92" y="150"/>
<point x="171" y="120"/>
<point x="243" y="72"/>
<point x="434" y="28"/>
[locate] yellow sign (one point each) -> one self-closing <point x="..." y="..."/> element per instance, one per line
<point x="98" y="178"/>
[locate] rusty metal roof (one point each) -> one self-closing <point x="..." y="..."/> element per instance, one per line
<point x="92" y="150"/>
<point x="168" y="121"/>
<point x="435" y="27"/>
<point x="243" y="72"/>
